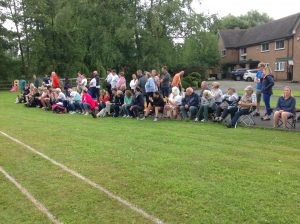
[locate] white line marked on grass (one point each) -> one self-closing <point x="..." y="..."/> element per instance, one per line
<point x="37" y="204"/>
<point x="88" y="181"/>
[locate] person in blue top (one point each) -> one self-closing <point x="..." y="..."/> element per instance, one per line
<point x="258" y="81"/>
<point x="285" y="108"/>
<point x="266" y="90"/>
<point x="150" y="86"/>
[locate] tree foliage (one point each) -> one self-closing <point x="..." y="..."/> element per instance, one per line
<point x="71" y="35"/>
<point x="250" y="19"/>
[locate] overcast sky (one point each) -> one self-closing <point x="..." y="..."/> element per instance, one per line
<point x="275" y="9"/>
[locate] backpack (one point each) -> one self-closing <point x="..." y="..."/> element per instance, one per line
<point x="56" y="108"/>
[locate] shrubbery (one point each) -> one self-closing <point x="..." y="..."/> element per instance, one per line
<point x="193" y="79"/>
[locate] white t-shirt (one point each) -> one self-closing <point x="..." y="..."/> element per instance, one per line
<point x="61" y="96"/>
<point x="109" y="78"/>
<point x="215" y="92"/>
<point x="177" y="99"/>
<point x="83" y="82"/>
<point x="114" y="81"/>
<point x="93" y="82"/>
<point x="133" y="84"/>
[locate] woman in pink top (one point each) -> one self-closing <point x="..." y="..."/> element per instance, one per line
<point x="88" y="104"/>
<point x="121" y="84"/>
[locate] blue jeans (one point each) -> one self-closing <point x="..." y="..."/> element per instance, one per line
<point x="266" y="98"/>
<point x="192" y="112"/>
<point x="85" y="106"/>
<point x="236" y="113"/>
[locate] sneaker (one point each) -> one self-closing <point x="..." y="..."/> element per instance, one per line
<point x="203" y="120"/>
<point x="124" y="116"/>
<point x="155" y="119"/>
<point x="72" y="112"/>
<point x="143" y="118"/>
<point x="86" y="113"/>
<point x="196" y="119"/>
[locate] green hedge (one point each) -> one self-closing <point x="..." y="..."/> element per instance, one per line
<point x="193" y="79"/>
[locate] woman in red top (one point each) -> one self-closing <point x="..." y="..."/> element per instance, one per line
<point x="88" y="104"/>
<point x="55" y="80"/>
<point x="103" y="99"/>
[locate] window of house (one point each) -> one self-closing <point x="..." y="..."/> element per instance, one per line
<point x="279" y="66"/>
<point x="223" y="53"/>
<point x="265" y="47"/>
<point x="279" y="44"/>
<point x="243" y="54"/>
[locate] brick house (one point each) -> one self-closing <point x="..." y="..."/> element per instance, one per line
<point x="276" y="43"/>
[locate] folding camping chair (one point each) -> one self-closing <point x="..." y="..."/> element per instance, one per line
<point x="291" y="121"/>
<point x="247" y="119"/>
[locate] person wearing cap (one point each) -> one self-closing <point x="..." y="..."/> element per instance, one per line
<point x="247" y="101"/>
<point x="258" y="81"/>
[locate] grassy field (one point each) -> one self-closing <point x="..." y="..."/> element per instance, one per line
<point x="180" y="172"/>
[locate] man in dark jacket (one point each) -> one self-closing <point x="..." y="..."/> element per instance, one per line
<point x="138" y="103"/>
<point x="165" y="81"/>
<point x="158" y="104"/>
<point x="189" y="104"/>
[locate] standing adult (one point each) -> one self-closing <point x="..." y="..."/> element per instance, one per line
<point x="35" y="81"/>
<point x="176" y="82"/>
<point x="150" y="86"/>
<point x="108" y="81"/>
<point x="133" y="83"/>
<point x="83" y="83"/>
<point x="165" y="81"/>
<point x="258" y="80"/>
<point x="78" y="81"/>
<point x="97" y="78"/>
<point x="121" y="84"/>
<point x="142" y="81"/>
<point x="67" y="86"/>
<point x="92" y="87"/>
<point x="114" y="79"/>
<point x="55" y="80"/>
<point x="267" y="91"/>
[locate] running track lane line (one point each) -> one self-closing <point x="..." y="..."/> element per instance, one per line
<point x="24" y="191"/>
<point x="90" y="182"/>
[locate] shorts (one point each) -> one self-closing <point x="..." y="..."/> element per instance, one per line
<point x="258" y="95"/>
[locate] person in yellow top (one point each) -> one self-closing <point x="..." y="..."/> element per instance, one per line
<point x="177" y="80"/>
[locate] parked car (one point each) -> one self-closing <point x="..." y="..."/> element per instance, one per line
<point x="238" y="74"/>
<point x="250" y="75"/>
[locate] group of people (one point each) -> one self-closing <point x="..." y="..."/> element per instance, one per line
<point x="159" y="95"/>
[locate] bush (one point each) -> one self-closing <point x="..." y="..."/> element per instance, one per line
<point x="193" y="79"/>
